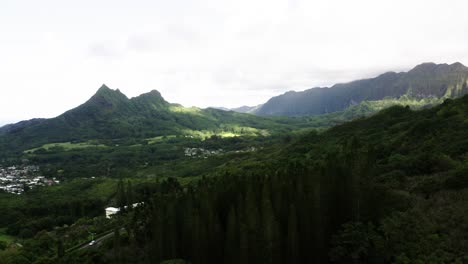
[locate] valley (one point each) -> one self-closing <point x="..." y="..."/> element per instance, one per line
<point x="380" y="180"/>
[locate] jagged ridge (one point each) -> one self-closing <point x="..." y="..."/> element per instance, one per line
<point x="423" y="81"/>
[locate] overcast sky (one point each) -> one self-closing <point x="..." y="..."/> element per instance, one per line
<point x="55" y="54"/>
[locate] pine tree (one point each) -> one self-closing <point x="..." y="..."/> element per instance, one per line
<point x="243" y="232"/>
<point x="293" y="241"/>
<point x="270" y="228"/>
<point x="130" y="196"/>
<point x="117" y="253"/>
<point x="120" y="196"/>
<point x="60" y="248"/>
<point x="231" y="241"/>
<point x="253" y="225"/>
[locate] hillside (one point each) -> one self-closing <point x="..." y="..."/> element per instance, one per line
<point x="425" y="81"/>
<point x="110" y="115"/>
<point x="392" y="188"/>
<point x="385" y="189"/>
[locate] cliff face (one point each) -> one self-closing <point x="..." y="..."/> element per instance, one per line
<point x="425" y="80"/>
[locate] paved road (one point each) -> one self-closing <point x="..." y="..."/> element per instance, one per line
<point x="98" y="241"/>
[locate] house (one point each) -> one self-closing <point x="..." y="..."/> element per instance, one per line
<point x="111" y="211"/>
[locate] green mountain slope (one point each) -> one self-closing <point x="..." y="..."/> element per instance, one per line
<point x="110" y="115"/>
<point x="392" y="188"/>
<point x="427" y="80"/>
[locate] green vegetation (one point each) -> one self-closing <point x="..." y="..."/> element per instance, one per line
<point x="109" y="118"/>
<point x="391" y="188"/>
<point x="371" y="187"/>
<point x="388" y="188"/>
<point x="4" y="237"/>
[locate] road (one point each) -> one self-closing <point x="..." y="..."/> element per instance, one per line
<point x="98" y="241"/>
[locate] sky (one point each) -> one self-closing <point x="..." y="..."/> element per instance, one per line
<point x="55" y="54"/>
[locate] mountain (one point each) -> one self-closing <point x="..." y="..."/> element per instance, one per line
<point x="392" y="188"/>
<point x="220" y="108"/>
<point x="368" y="191"/>
<point x="243" y="109"/>
<point x="246" y="109"/>
<point x="110" y="115"/>
<point x="427" y="80"/>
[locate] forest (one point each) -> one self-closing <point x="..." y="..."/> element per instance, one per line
<point x="391" y="188"/>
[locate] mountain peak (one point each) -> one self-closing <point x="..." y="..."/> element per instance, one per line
<point x="106" y="92"/>
<point x="154" y="93"/>
<point x="107" y="98"/>
<point x="151" y="95"/>
<point x="430" y="67"/>
<point x="427" y="66"/>
<point x="152" y="99"/>
<point x="457" y="65"/>
<point x="104" y="87"/>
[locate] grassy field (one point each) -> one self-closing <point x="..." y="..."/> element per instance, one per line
<point x="67" y="146"/>
<point x="4" y="237"/>
<point x="159" y="139"/>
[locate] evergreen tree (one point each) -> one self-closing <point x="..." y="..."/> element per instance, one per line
<point x="130" y="195"/>
<point x="60" y="248"/>
<point x="292" y="239"/>
<point x="120" y="195"/>
<point x="117" y="254"/>
<point x="270" y="228"/>
<point x="231" y="241"/>
<point x="253" y="225"/>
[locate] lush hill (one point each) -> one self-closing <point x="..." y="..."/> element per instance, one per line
<point x="110" y="115"/>
<point x="387" y="189"/>
<point x="392" y="188"/>
<point x="425" y="81"/>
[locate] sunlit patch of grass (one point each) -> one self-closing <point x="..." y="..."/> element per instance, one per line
<point x="404" y="100"/>
<point x="4" y="237"/>
<point x="225" y="132"/>
<point x="68" y="146"/>
<point x="228" y="134"/>
<point x="154" y="140"/>
<point x="186" y="110"/>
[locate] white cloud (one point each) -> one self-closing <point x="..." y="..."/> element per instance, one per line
<point x="55" y="54"/>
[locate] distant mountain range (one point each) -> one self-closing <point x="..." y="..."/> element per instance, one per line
<point x="243" y="109"/>
<point x="110" y="115"/>
<point x="427" y="80"/>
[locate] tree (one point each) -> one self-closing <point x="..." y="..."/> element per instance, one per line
<point x="120" y="195"/>
<point x="292" y="239"/>
<point x="117" y="245"/>
<point x="60" y="248"/>
<point x="3" y="245"/>
<point x="231" y="241"/>
<point x="130" y="194"/>
<point x="270" y="227"/>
